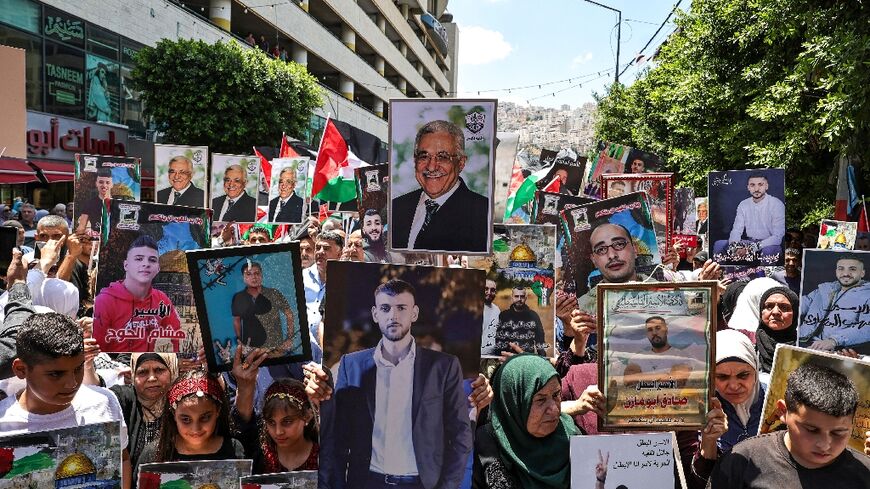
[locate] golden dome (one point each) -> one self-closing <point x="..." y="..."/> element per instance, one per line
<point x="75" y="465"/>
<point x="523" y="253"/>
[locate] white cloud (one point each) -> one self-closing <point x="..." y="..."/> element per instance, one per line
<point x="478" y="46"/>
<point x="582" y="58"/>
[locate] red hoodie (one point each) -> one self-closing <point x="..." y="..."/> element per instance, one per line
<point x="124" y="324"/>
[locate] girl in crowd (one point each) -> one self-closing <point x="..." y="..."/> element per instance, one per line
<point x="195" y="423"/>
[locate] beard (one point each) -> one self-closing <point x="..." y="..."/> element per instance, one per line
<point x="658" y="341"/>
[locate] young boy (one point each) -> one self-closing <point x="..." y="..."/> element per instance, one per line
<point x="819" y="408"/>
<point x="50" y="357"/>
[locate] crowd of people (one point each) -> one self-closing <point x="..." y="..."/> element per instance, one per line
<point x="172" y="409"/>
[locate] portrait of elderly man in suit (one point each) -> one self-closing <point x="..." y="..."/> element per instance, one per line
<point x="398" y="416"/>
<point x="443" y="214"/>
<point x="287" y="206"/>
<point x="235" y="205"/>
<point x="181" y="190"/>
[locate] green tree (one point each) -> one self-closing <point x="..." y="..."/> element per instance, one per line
<point x="223" y="95"/>
<point x="755" y="83"/>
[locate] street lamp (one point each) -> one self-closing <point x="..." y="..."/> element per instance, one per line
<point x="618" y="35"/>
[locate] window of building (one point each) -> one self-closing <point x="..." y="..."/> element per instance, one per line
<point x="103" y="78"/>
<point x="103" y="43"/>
<point x="23" y="14"/>
<point x="64" y="80"/>
<point x="63" y="27"/>
<point x="32" y="46"/>
<point x="128" y="50"/>
<point x="314" y="132"/>
<point x="131" y="106"/>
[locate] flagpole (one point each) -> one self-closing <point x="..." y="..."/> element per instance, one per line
<point x="864" y="207"/>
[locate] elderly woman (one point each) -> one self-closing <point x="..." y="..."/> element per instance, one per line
<point x="525" y="444"/>
<point x="736" y="411"/>
<point x="142" y="402"/>
<point x="778" y="306"/>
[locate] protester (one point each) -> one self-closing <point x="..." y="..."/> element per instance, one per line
<point x="195" y="423"/>
<point x="27" y="216"/>
<point x="777" y="324"/>
<point x="20" y="240"/>
<point x="525" y="443"/>
<point x="747" y="312"/>
<point x="791" y="274"/>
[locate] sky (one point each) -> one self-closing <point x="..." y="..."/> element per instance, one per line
<point x="517" y="43"/>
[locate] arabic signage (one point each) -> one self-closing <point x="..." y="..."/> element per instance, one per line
<point x="63" y="27"/>
<point x="60" y="138"/>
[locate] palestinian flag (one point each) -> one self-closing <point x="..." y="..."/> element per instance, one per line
<point x="334" y="170"/>
<point x="525" y="193"/>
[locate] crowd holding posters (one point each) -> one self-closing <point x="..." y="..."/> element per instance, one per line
<point x="747" y="222"/>
<point x="287" y="199"/>
<point x="302" y="479"/>
<point x="253" y="297"/>
<point x="442" y="156"/>
<point x="656" y="354"/>
<point x="98" y="179"/>
<point x="518" y="298"/>
<point x="837" y="235"/>
<point x="617" y="234"/>
<point x="788" y="358"/>
<point x="234" y="187"/>
<point x="180" y="174"/>
<point x="144" y="300"/>
<point x="422" y="317"/>
<point x="835" y="295"/>
<point x="659" y="189"/>
<point x="629" y="460"/>
<point x="83" y="456"/>
<point x="685" y="213"/>
<point x="224" y="474"/>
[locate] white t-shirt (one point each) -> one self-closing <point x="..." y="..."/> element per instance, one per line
<point x="90" y="405"/>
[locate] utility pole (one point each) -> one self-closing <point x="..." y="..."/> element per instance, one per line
<point x="618" y="35"/>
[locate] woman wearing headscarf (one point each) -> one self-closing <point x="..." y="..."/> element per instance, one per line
<point x="142" y="402"/>
<point x="739" y="400"/>
<point x="776" y="324"/>
<point x="746" y="312"/>
<point x="525" y="444"/>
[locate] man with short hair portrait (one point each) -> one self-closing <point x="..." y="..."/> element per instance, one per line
<point x="181" y="190"/>
<point x="235" y="205"/>
<point x="287" y="206"/>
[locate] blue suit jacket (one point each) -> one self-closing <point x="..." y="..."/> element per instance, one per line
<point x="441" y="431"/>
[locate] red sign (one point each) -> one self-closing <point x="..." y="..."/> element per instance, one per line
<point x="76" y="140"/>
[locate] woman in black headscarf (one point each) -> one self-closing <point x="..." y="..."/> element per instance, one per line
<point x="777" y="324"/>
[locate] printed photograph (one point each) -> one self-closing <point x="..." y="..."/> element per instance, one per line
<point x="144" y="300"/>
<point x="659" y="189"/>
<point x="396" y="316"/>
<point x="702" y="210"/>
<point x="640" y="161"/>
<point x="372" y="190"/>
<point x="302" y="479"/>
<point x="834" y="311"/>
<point x="233" y="193"/>
<point x="287" y="196"/>
<point x="223" y="474"/>
<point x="83" y="456"/>
<point x="442" y="155"/>
<point x="609" y="159"/>
<point x="181" y="174"/>
<point x="99" y="178"/>
<point x="518" y="305"/>
<point x="611" y="240"/>
<point x="837" y="235"/>
<point x="103" y="102"/>
<point x="656" y="352"/>
<point x="685" y="213"/>
<point x="253" y="296"/>
<point x="629" y="460"/>
<point x="747" y="222"/>
<point x="788" y="358"/>
<point x="563" y="178"/>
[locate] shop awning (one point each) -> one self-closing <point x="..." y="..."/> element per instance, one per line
<point x="16" y="170"/>
<point x="55" y="171"/>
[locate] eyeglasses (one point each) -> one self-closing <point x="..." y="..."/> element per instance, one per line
<point x="179" y="172"/>
<point x="617" y="245"/>
<point x="441" y="157"/>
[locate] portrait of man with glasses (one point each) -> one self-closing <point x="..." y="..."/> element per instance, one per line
<point x="181" y="190"/>
<point x="443" y="214"/>
<point x="235" y="205"/>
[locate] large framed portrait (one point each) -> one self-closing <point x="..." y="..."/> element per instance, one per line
<point x="287" y="199"/>
<point x="659" y="188"/>
<point x="198" y="473"/>
<point x="747" y="216"/>
<point x="233" y="192"/>
<point x="80" y="456"/>
<point x="181" y="174"/>
<point x="250" y="296"/>
<point x="656" y="354"/>
<point x="442" y="155"/>
<point x="144" y="298"/>
<point x="835" y="293"/>
<point x="788" y="358"/>
<point x="518" y="298"/>
<point x="99" y="178"/>
<point x="607" y="240"/>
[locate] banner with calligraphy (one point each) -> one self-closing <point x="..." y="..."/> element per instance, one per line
<point x="302" y="479"/>
<point x="835" y="301"/>
<point x="788" y="358"/>
<point x="144" y="299"/>
<point x="99" y="178"/>
<point x="628" y="460"/>
<point x="82" y="456"/>
<point x="518" y="298"/>
<point x="224" y="474"/>
<point x="656" y="353"/>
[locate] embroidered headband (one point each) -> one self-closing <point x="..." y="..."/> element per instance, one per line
<point x="199" y="386"/>
<point x="292" y="393"/>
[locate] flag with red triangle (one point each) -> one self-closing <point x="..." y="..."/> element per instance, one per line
<point x="334" y="170"/>
<point x="554" y="186"/>
<point x="286" y="150"/>
<point x="265" y="171"/>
